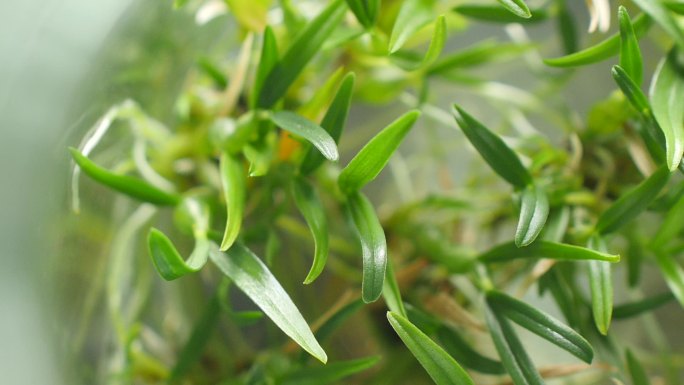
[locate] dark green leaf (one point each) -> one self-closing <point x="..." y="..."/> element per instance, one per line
<point x="462" y="352"/>
<point x="567" y="28"/>
<point x="630" y="54"/>
<point x="234" y="191"/>
<point x="131" y="186"/>
<point x="494" y="151"/>
<point x="215" y="73"/>
<point x="541" y="324"/>
<point x="330" y="373"/>
<point x="337" y="319"/>
<point x="496" y="14"/>
<point x="413" y="15"/>
<point x="391" y="292"/>
<point x="534" y="209"/>
<point x="516" y="7"/>
<point x="630" y="204"/>
<point x="256" y="281"/>
<point x="601" y="287"/>
<point x="667" y="93"/>
<point x="373" y="157"/>
<point x="439" y="365"/>
<point x="673" y="273"/>
<point x="631" y="90"/>
<point x="545" y="249"/>
<point x="661" y="15"/>
<point x="636" y="371"/>
<point x="373" y="245"/>
<point x="268" y="60"/>
<point x="312" y="210"/>
<point x="299" y="125"/>
<point x="366" y="11"/>
<point x="632" y="309"/>
<point x="675" y="6"/>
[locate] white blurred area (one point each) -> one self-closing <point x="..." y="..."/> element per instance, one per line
<point x="46" y="49"/>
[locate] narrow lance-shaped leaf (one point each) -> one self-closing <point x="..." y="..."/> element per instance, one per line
<point x="312" y="210"/>
<point x="632" y="309"/>
<point x="413" y="15"/>
<point x="601" y="288"/>
<point x="631" y="90"/>
<point x="636" y="371"/>
<point x="307" y="43"/>
<point x="659" y="13"/>
<point x="545" y="249"/>
<point x="541" y="324"/>
<point x="328" y="374"/>
<point x="437" y="363"/>
<point x="268" y="60"/>
<point x="567" y="28"/>
<point x="131" y="186"/>
<point x="462" y="352"/>
<point x="534" y="209"/>
<point x="391" y="292"/>
<point x="373" y="157"/>
<point x="601" y="51"/>
<point x="299" y="125"/>
<point x="497" y="14"/>
<point x="494" y="151"/>
<point x="675" y="6"/>
<point x="485" y="51"/>
<point x="630" y="204"/>
<point x="516" y="7"/>
<point x="253" y="277"/>
<point x="673" y="273"/>
<point x="366" y="11"/>
<point x="667" y="93"/>
<point x="630" y="54"/>
<point x="373" y="245"/>
<point x="234" y="192"/>
<point x="513" y="356"/>
<point x="412" y="62"/>
<point x="672" y="225"/>
<point x="333" y="122"/>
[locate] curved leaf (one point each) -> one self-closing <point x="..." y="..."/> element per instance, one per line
<point x="631" y="90"/>
<point x="391" y="292"/>
<point x="545" y="249"/>
<point x="413" y="15"/>
<point x="330" y="373"/>
<point x="496" y="14"/>
<point x="312" y="210"/>
<point x="439" y="365"/>
<point x="516" y="7"/>
<point x="534" y="209"/>
<point x="412" y="62"/>
<point x="256" y="281"/>
<point x="234" y="191"/>
<point x="630" y="54"/>
<point x="601" y="287"/>
<point x="131" y="186"/>
<point x="168" y="261"/>
<point x="299" y="125"/>
<point x="366" y="11"/>
<point x="667" y="93"/>
<point x="673" y="273"/>
<point x="268" y="60"/>
<point x="373" y="157"/>
<point x="661" y="15"/>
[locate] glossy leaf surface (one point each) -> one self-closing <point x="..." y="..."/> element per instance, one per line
<point x="234" y="190"/>
<point x="630" y="54"/>
<point x="667" y="93"/>
<point x="328" y="374"/>
<point x="312" y="210"/>
<point x="516" y="7"/>
<point x="301" y="126"/>
<point x="545" y="249"/>
<point x="534" y="209"/>
<point x="413" y="15"/>
<point x="601" y="288"/>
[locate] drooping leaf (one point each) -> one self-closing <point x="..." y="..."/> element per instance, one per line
<point x="494" y="151"/>
<point x="673" y="273"/>
<point x="541" y="324"/>
<point x="667" y="92"/>
<point x="373" y="245"/>
<point x="545" y="249"/>
<point x="631" y="90"/>
<point x="534" y="209"/>
<point x="661" y="15"/>
<point x="631" y="309"/>
<point x="630" y="204"/>
<point x="497" y="14"/>
<point x="601" y="288"/>
<point x="636" y="371"/>
<point x="333" y="121"/>
<point x="268" y="60"/>
<point x="516" y="7"/>
<point x="317" y="135"/>
<point x="391" y="292"/>
<point x="366" y="11"/>
<point x="462" y="352"/>
<point x="312" y="210"/>
<point x="601" y="51"/>
<point x="253" y="277"/>
<point x="168" y="262"/>
<point x="441" y="367"/>
<point x="131" y="186"/>
<point x="630" y="54"/>
<point x="328" y="374"/>
<point x="413" y="15"/>
<point x="307" y="43"/>
<point x="373" y="157"/>
<point x="234" y="191"/>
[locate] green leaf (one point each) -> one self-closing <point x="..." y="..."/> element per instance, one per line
<point x="636" y="371"/>
<point x="329" y="326"/>
<point x="630" y="204"/>
<point x="215" y="73"/>
<point x="439" y="365"/>
<point x="373" y="245"/>
<point x="131" y="186"/>
<point x="330" y="373"/>
<point x="667" y="93"/>
<point x="253" y="277"/>
<point x="545" y="249"/>
<point x="267" y="61"/>
<point x="534" y="209"/>
<point x="413" y="15"/>
<point x="496" y="14"/>
<point x="494" y="151"/>
<point x="312" y="210"/>
<point x="632" y="309"/>
<point x="307" y="43"/>
<point x="234" y="192"/>
<point x="671" y="227"/>
<point x="250" y="14"/>
<point x="541" y="324"/>
<point x="373" y="157"/>
<point x="391" y="292"/>
<point x="601" y="51"/>
<point x="477" y="54"/>
<point x="673" y="273"/>
<point x="462" y="352"/>
<point x="601" y="287"/>
<point x="630" y="54"/>
<point x="675" y="6"/>
<point x="168" y="261"/>
<point x="366" y="11"/>
<point x="299" y="125"/>
<point x="333" y="121"/>
<point x="516" y="7"/>
<point x="512" y="354"/>
<point x="408" y="61"/>
<point x="631" y="90"/>
<point x="567" y="28"/>
<point x="661" y="15"/>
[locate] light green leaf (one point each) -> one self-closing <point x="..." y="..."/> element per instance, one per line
<point x="630" y="204"/>
<point x="408" y="61"/>
<point x="667" y="93"/>
<point x="496" y="14"/>
<point x="545" y="249"/>
<point x="516" y="7"/>
<point x="631" y="309"/>
<point x="534" y="209"/>
<point x="299" y="125"/>
<point x="250" y="14"/>
<point x="631" y="90"/>
<point x="373" y="157"/>
<point x="567" y="27"/>
<point x="636" y="371"/>
<point x="477" y="54"/>
<point x="462" y="352"/>
<point x="541" y="324"/>
<point x="131" y="186"/>
<point x="601" y="287"/>
<point x="312" y="210"/>
<point x="330" y="373"/>
<point x="234" y="192"/>
<point x="601" y="51"/>
<point x="168" y="262"/>
<point x="307" y="43"/>
<point x="661" y="15"/>
<point x="630" y="54"/>
<point x="413" y="15"/>
<point x="675" y="6"/>
<point x="439" y="365"/>
<point x="671" y="227"/>
<point x="333" y="121"/>
<point x="494" y="151"/>
<point x="260" y="156"/>
<point x="673" y="273"/>
<point x="373" y="245"/>
<point x="213" y="71"/>
<point x="268" y="60"/>
<point x="391" y="292"/>
<point x="253" y="277"/>
<point x="366" y="11"/>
